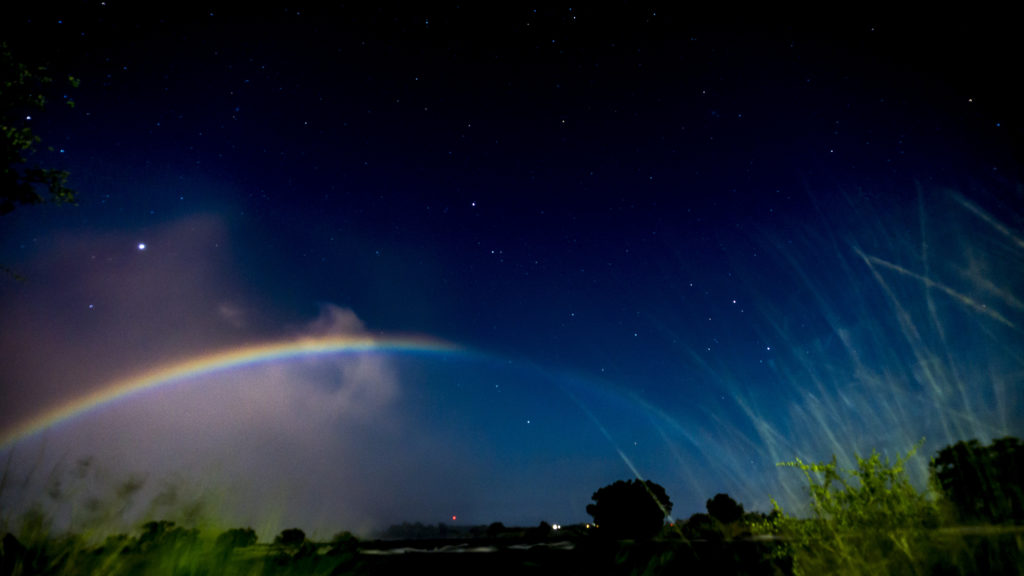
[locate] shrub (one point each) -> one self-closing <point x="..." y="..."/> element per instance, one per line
<point x="867" y="520"/>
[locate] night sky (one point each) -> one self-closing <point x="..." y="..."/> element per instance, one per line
<point x="664" y="244"/>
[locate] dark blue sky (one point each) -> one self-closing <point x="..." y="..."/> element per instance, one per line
<point x="688" y="244"/>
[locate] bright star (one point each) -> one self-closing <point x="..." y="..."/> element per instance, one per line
<point x="142" y="246"/>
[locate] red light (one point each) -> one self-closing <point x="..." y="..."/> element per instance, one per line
<point x="453" y="517"/>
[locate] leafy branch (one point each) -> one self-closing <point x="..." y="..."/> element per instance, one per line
<point x="22" y="92"/>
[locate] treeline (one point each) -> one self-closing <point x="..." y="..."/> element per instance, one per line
<point x="868" y="520"/>
<point x="982" y="484"/>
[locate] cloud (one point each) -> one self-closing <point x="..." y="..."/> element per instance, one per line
<point x="354" y="441"/>
<point x="97" y="309"/>
<point x="359" y="386"/>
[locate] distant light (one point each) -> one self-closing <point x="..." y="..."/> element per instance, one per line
<point x="453" y="517"/>
<point x="142" y="246"/>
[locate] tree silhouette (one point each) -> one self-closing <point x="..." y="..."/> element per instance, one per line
<point x="290" y="537"/>
<point x="495" y="529"/>
<point x="164" y="533"/>
<point x="982" y="483"/>
<point x="237" y="538"/>
<point x="633" y="509"/>
<point x="724" y="509"/>
<point x="540" y="531"/>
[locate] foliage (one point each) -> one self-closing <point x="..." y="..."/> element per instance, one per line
<point x="634" y="509"/>
<point x="867" y="520"/>
<point x="237" y="538"/>
<point x="982" y="483"/>
<point x="22" y="92"/>
<point x="724" y="509"/>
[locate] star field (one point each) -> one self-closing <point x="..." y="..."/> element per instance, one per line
<point x="671" y="245"/>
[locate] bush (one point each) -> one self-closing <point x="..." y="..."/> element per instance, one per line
<point x="868" y="520"/>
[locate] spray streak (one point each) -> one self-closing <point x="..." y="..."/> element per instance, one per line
<point x="965" y="300"/>
<point x="625" y="459"/>
<point x="986" y="218"/>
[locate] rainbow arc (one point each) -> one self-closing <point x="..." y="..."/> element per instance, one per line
<point x="218" y="362"/>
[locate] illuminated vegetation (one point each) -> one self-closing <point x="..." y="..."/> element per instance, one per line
<point x="869" y="519"/>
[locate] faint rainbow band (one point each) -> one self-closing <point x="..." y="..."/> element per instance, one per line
<point x="217" y="362"/>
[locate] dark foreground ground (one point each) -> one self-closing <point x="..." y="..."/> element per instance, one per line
<point x="951" y="553"/>
<point x="448" y="557"/>
<point x="565" y="558"/>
